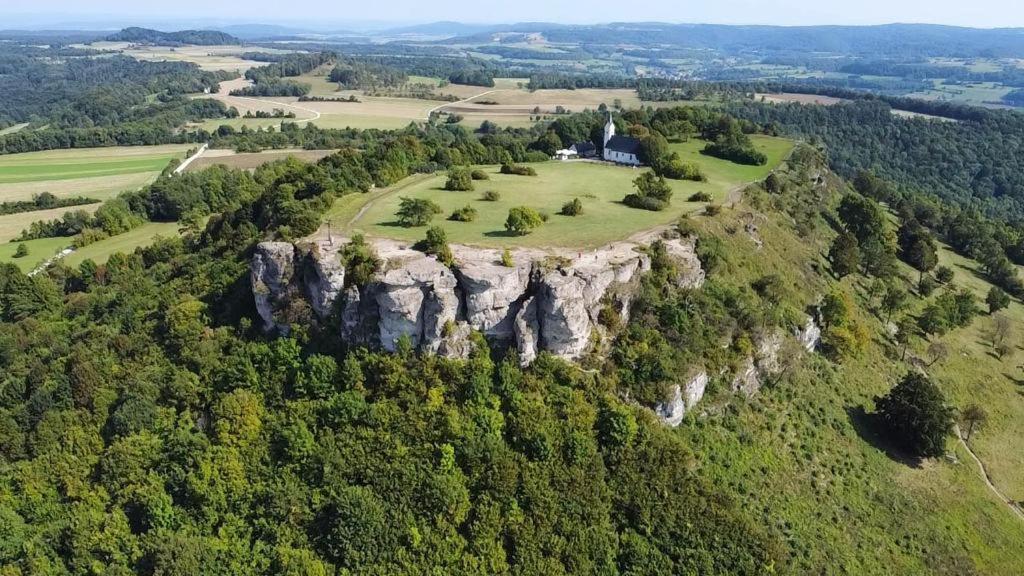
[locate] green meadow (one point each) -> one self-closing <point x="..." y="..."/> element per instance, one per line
<point x="600" y="187"/>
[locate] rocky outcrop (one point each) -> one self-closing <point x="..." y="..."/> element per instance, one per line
<point x="749" y="377"/>
<point x="271" y="274"/>
<point x="682" y="400"/>
<point x="544" y="302"/>
<point x="809" y="335"/>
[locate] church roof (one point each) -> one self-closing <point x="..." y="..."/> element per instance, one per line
<point x="623" y="144"/>
<point x="584" y="147"/>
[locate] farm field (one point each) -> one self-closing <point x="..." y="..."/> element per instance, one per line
<point x="11" y="225"/>
<point x="206" y="57"/>
<point x="12" y="129"/>
<point x="978" y="93"/>
<point x="250" y="161"/>
<point x="600" y="187"/>
<point x="80" y="163"/>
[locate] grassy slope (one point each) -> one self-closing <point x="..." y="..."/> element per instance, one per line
<point x="142" y="236"/>
<point x="38" y="251"/>
<point x="11" y="225"/>
<point x="801" y="457"/>
<point x="600" y="188"/>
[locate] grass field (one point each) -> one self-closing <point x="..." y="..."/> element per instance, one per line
<point x="252" y="160"/>
<point x="12" y="129"/>
<point x="977" y="93"/>
<point x="206" y="57"/>
<point x="86" y="163"/>
<point x="38" y="251"/>
<point x="600" y="187"/>
<point x="144" y="235"/>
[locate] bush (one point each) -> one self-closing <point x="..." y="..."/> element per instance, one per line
<point x="652" y="193"/>
<point x="644" y="202"/>
<point x="464" y="214"/>
<point x="360" y="262"/>
<point x="416" y="211"/>
<point x="916" y="415"/>
<point x="518" y="170"/>
<point x="574" y="208"/>
<point x="701" y="196"/>
<point x="522" y="220"/>
<point x="459" y="180"/>
<point x="491" y="196"/>
<point x="944" y="274"/>
<point x="21" y="251"/>
<point x="506" y="258"/>
<point x="712" y="209"/>
<point x="479" y="175"/>
<point x="436" y="243"/>
<point x="926" y="286"/>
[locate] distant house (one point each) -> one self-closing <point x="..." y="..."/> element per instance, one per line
<point x="566" y="154"/>
<point x="620" y="149"/>
<point x="584" y="149"/>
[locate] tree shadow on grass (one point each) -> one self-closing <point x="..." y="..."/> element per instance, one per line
<point x="870" y="429"/>
<point x="395" y="224"/>
<point x="501" y="234"/>
<point x="1014" y="379"/>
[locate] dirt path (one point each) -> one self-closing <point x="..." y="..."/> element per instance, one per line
<point x="463" y="101"/>
<point x="316" y="115"/>
<point x="181" y="167"/>
<point x="984" y="475"/>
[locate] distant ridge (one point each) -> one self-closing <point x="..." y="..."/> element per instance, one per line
<point x="149" y="36"/>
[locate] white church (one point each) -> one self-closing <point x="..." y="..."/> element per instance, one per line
<point x="620" y="149"/>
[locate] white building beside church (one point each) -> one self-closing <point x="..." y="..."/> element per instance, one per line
<point x="620" y="149"/>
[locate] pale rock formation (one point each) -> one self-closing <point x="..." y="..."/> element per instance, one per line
<point x="683" y="400"/>
<point x="271" y="275"/>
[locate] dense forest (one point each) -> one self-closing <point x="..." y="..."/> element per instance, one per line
<point x="68" y="88"/>
<point x="157" y="431"/>
<point x="178" y="38"/>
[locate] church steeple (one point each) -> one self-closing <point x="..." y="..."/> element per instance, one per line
<point x="609" y="129"/>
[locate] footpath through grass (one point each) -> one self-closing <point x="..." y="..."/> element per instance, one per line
<point x="600" y="187"/>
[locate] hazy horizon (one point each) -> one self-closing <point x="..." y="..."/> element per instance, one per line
<point x="319" y="14"/>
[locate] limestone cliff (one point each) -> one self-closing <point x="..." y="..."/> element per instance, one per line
<point x="546" y="301"/>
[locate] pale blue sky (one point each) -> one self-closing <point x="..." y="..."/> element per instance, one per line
<point x="980" y="13"/>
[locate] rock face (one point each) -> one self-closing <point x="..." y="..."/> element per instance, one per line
<point x="809" y="335"/>
<point x="271" y="274"/>
<point x="748" y="378"/>
<point x="683" y="400"/>
<point x="536" y="306"/>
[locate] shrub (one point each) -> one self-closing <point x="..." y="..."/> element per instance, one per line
<point x="21" y="251"/>
<point x="360" y="261"/>
<point x="701" y="196"/>
<point x="522" y="220"/>
<point x="997" y="299"/>
<point x="574" y="208"/>
<point x="916" y="415"/>
<point x="479" y="175"/>
<point x="416" y="211"/>
<point x="436" y="243"/>
<point x="464" y="214"/>
<point x="644" y="202"/>
<point x="944" y="274"/>
<point x="926" y="286"/>
<point x="518" y="170"/>
<point x="491" y="196"/>
<point x="459" y="180"/>
<point x="712" y="209"/>
<point x="506" y="258"/>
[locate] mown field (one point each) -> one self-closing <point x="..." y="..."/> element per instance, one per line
<point x="599" y="187"/>
<point x="11" y="225"/>
<point x="38" y="251"/>
<point x="250" y="161"/>
<point x="144" y="235"/>
<point x="94" y="172"/>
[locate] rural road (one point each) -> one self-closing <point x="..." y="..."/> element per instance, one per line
<point x="463" y="101"/>
<point x="181" y="167"/>
<point x="316" y="115"/>
<point x="984" y="475"/>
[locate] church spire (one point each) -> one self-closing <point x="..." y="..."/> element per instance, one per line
<point x="609" y="129"/>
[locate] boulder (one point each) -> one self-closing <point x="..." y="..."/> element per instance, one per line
<point x="271" y="274"/>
